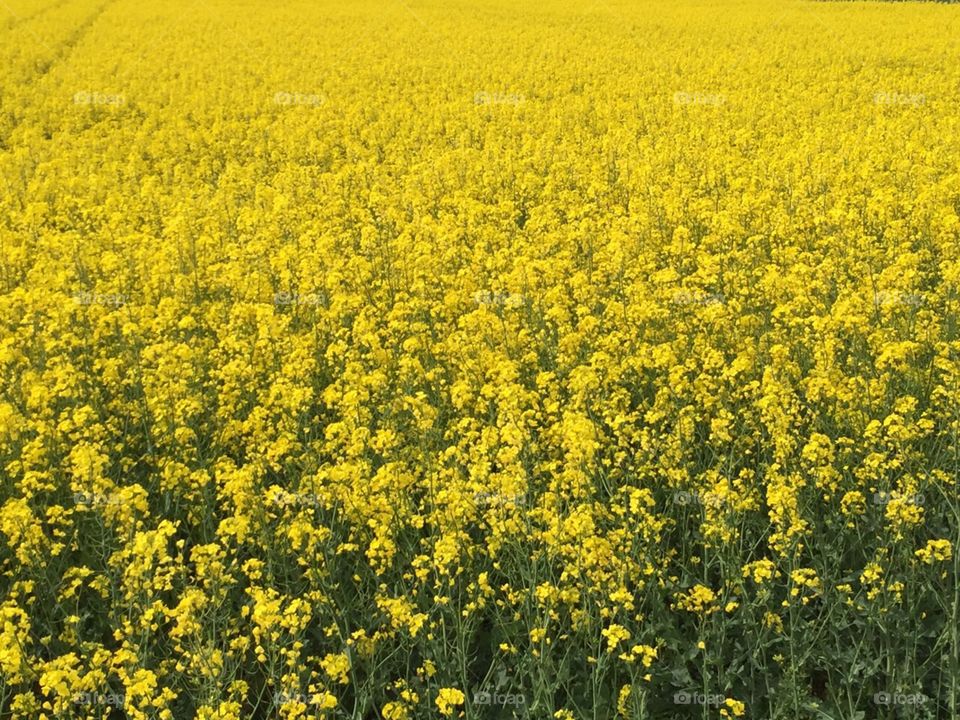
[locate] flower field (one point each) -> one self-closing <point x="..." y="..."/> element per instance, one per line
<point x="409" y="359"/>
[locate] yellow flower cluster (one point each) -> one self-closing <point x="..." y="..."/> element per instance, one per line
<point x="935" y="551"/>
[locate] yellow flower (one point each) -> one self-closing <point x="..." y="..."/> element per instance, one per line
<point x="774" y="621"/>
<point x="402" y="614"/>
<point x="337" y="667"/>
<point x="647" y="654"/>
<point x="615" y="634"/>
<point x="394" y="711"/>
<point x="853" y="503"/>
<point x="623" y="701"/>
<point x="699" y="599"/>
<point x="733" y="706"/>
<point x="935" y="551"/>
<point x="448" y="699"/>
<point x="760" y="570"/>
<point x="14" y="639"/>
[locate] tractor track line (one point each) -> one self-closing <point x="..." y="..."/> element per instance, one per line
<point x="18" y="20"/>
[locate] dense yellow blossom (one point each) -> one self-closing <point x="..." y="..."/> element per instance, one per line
<point x="478" y="358"/>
